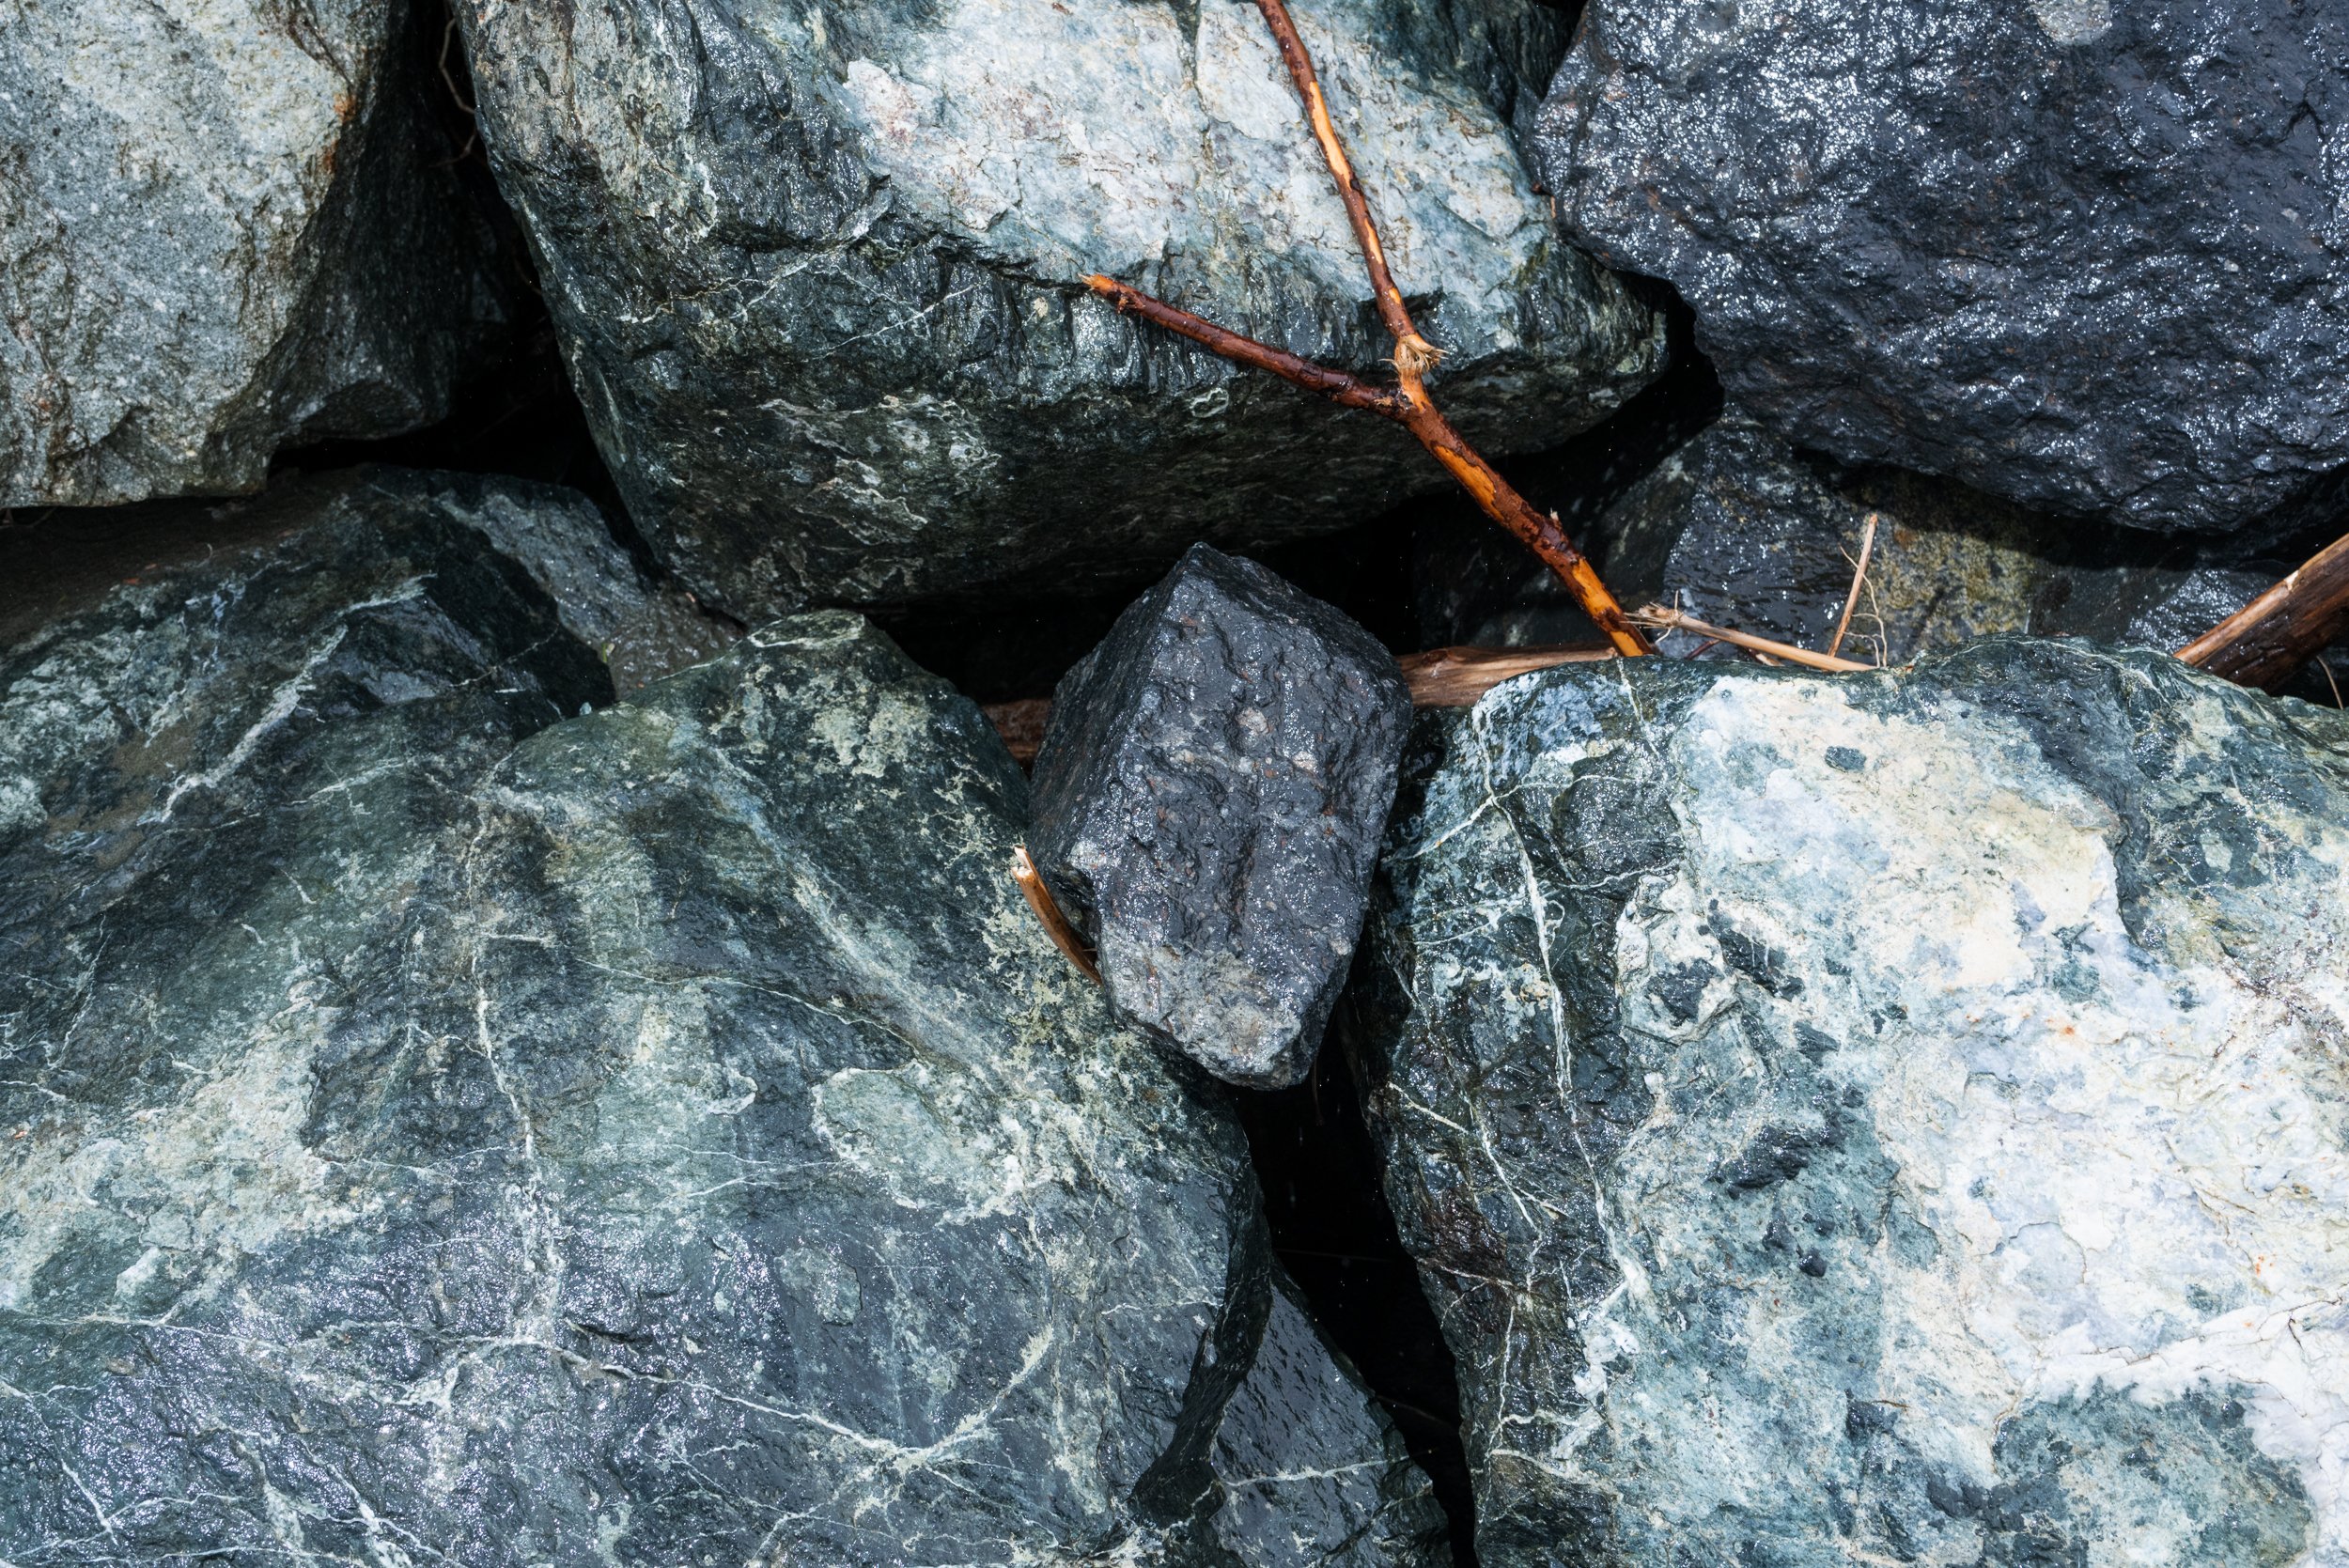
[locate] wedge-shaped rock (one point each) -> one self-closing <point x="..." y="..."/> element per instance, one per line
<point x="1208" y="801"/>
<point x="1880" y="1118"/>
<point x="2090" y="255"/>
<point x="432" y="1130"/>
<point x="819" y="272"/>
<point x="225" y="227"/>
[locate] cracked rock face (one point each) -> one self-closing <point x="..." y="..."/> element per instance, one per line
<point x="221" y="231"/>
<point x="432" y="1128"/>
<point x="1880" y="1118"/>
<point x="2087" y="257"/>
<point x="819" y="269"/>
<point x="1209" y="800"/>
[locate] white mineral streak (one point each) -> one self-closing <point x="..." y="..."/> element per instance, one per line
<point x="1214" y="156"/>
<point x="2143" y="1187"/>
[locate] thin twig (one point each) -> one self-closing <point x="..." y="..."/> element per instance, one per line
<point x="1056" y="924"/>
<point x="2266" y="642"/>
<point x="1662" y="618"/>
<point x="1409" y="404"/>
<point x="1859" y="576"/>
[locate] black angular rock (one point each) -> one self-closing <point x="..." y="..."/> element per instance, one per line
<point x="819" y="273"/>
<point x="1876" y="1118"/>
<point x="2088" y="256"/>
<point x="432" y="1128"/>
<point x="1207" y="805"/>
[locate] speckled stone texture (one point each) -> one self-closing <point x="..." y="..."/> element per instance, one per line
<point x="226" y="226"/>
<point x="432" y="1129"/>
<point x="1209" y="800"/>
<point x="2091" y="256"/>
<point x="1881" y="1118"/>
<point x="819" y="269"/>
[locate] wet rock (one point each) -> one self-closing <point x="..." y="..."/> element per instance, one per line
<point x="819" y="273"/>
<point x="2084" y="257"/>
<point x="1888" y="1117"/>
<point x="1209" y="800"/>
<point x="1742" y="531"/>
<point x="432" y="1126"/>
<point x="223" y="232"/>
<point x="642" y="629"/>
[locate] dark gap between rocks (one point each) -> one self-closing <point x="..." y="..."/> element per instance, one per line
<point x="1326" y="1204"/>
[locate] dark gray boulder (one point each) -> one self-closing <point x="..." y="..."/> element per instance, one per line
<point x="1879" y="1118"/>
<point x="820" y="274"/>
<point x="1209" y="800"/>
<point x="223" y="231"/>
<point x="435" y="1129"/>
<point x="2091" y="257"/>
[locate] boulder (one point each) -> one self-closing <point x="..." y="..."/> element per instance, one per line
<point x="2086" y="256"/>
<point x="1891" y="1117"/>
<point x="435" y="1127"/>
<point x="223" y="229"/>
<point x="819" y="273"/>
<point x="1209" y="794"/>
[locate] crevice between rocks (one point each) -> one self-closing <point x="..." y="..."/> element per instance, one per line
<point x="1326" y="1206"/>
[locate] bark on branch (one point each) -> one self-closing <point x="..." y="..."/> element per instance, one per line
<point x="2265" y="643"/>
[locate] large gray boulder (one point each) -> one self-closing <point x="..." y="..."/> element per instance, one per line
<point x="439" y="1123"/>
<point x="223" y="229"/>
<point x="1210" y="797"/>
<point x="1880" y="1118"/>
<point x="819" y="272"/>
<point x="2087" y="256"/>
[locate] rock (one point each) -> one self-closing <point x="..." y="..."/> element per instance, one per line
<point x="640" y="628"/>
<point x="1208" y="801"/>
<point x="224" y="230"/>
<point x="820" y="274"/>
<point x="429" y="1128"/>
<point x="1742" y="531"/>
<point x="1891" y="1117"/>
<point x="2087" y="257"/>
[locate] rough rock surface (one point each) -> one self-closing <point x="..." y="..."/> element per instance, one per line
<point x="437" y="1129"/>
<point x="1209" y="800"/>
<point x="818" y="270"/>
<point x="67" y="560"/>
<point x="1882" y="1118"/>
<point x="225" y="227"/>
<point x="2086" y="255"/>
<point x="1741" y="532"/>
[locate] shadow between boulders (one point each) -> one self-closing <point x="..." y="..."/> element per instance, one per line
<point x="1326" y="1206"/>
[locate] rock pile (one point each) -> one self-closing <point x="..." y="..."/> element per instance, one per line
<point x="531" y="1033"/>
